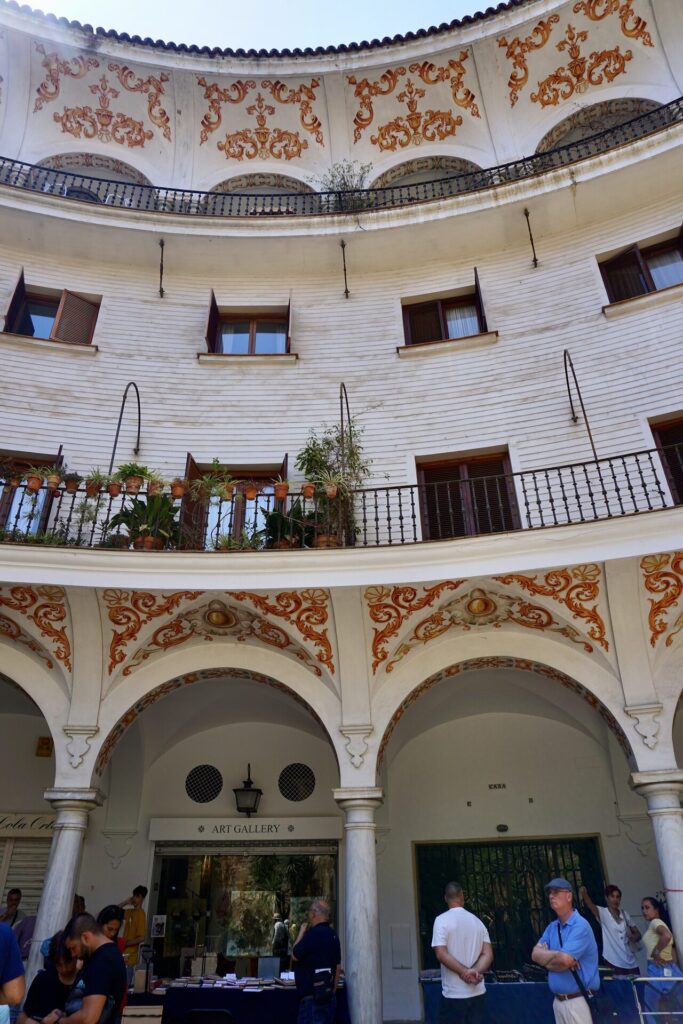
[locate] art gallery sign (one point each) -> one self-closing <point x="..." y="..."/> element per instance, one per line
<point x="27" y="825"/>
<point x="207" y="829"/>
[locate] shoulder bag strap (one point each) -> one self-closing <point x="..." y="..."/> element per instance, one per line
<point x="577" y="977"/>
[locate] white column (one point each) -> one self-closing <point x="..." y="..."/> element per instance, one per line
<point x="662" y="790"/>
<point x="56" y="903"/>
<point x="361" y="915"/>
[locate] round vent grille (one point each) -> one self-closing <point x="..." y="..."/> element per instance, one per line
<point x="203" y="783"/>
<point x="296" y="781"/>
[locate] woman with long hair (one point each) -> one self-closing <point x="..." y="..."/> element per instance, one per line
<point x="662" y="995"/>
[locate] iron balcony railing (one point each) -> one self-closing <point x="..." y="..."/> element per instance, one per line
<point x="84" y="188"/>
<point x="580" y="492"/>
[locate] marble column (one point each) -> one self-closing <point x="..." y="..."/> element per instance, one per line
<point x="662" y="790"/>
<point x="361" y="914"/>
<point x="72" y="809"/>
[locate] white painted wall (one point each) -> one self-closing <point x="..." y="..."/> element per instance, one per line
<point x="25" y="776"/>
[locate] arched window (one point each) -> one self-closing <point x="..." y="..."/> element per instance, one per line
<point x="263" y="184"/>
<point x="592" y="120"/>
<point x="88" y="171"/>
<point x="425" y="168"/>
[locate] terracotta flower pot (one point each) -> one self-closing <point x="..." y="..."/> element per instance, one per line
<point x="281" y="491"/>
<point x="331" y="490"/>
<point x="225" y="492"/>
<point x="53" y="481"/>
<point x="137" y="543"/>
<point x="33" y="483"/>
<point x="326" y="540"/>
<point x="133" y="484"/>
<point x="250" y="492"/>
<point x="114" y="488"/>
<point x="287" y="543"/>
<point x="308" y="490"/>
<point x="155" y="487"/>
<point x="92" y="489"/>
<point x="178" y="490"/>
<point x="150" y="543"/>
<point x="71" y="486"/>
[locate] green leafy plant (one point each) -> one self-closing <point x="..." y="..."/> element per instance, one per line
<point x="284" y="526"/>
<point x="129" y="469"/>
<point x="217" y="483"/>
<point x="156" y="518"/>
<point x="332" y="456"/>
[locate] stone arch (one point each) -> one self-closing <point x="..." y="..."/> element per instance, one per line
<point x="423" y="168"/>
<point x="40" y="685"/>
<point x="595" y="118"/>
<point x="493" y="649"/>
<point x="261" y="183"/>
<point x="129" y="697"/>
<point x="92" y="163"/>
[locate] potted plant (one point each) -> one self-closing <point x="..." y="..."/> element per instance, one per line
<point x="34" y="479"/>
<point x="250" y="489"/>
<point x="178" y="487"/>
<point x="281" y="488"/>
<point x="217" y="483"/>
<point x="308" y="489"/>
<point x="133" y="476"/>
<point x="155" y="483"/>
<point x="114" y="487"/>
<point x="284" y="531"/>
<point x="53" y="476"/>
<point x="71" y="482"/>
<point x="332" y="483"/>
<point x="94" y="482"/>
<point x="151" y="524"/>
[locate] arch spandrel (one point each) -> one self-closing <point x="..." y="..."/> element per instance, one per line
<point x="38" y="619"/>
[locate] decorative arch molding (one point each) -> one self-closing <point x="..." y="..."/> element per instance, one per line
<point x="88" y="163"/>
<point x="431" y="167"/>
<point x="39" y="619"/>
<point x="498" y="662"/>
<point x="41" y="686"/>
<point x="263" y="183"/>
<point x="227" y="656"/>
<point x="120" y="714"/>
<point x="595" y="118"/>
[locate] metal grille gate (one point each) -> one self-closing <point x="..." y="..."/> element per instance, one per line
<point x="503" y="883"/>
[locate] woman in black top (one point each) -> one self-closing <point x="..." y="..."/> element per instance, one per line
<point x="50" y="988"/>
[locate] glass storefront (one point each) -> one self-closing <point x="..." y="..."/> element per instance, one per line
<point x="230" y="903"/>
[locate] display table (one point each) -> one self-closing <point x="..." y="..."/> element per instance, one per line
<point x="531" y="1002"/>
<point x="270" y="1006"/>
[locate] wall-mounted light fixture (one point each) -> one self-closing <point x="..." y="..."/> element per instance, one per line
<point x="247" y="796"/>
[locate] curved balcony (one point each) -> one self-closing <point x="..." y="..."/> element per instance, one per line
<point x="187" y="202"/>
<point x="219" y="521"/>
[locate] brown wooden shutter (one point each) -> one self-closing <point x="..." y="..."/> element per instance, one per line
<point x="626" y="275"/>
<point x="212" y="322"/>
<point x="480" y="305"/>
<point x="75" y="320"/>
<point x="16" y="302"/>
<point x="288" y="339"/>
<point x="193" y="513"/>
<point x="284" y="467"/>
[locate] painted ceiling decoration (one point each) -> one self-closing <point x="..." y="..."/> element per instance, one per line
<point x="519" y="665"/>
<point x="307" y="610"/>
<point x="261" y="141"/>
<point x="11" y="630"/>
<point x="46" y="607"/>
<point x="413" y="126"/>
<point x="663" y="576"/>
<point x="132" y="609"/>
<point x="585" y="66"/>
<point x="188" y="679"/>
<point x="575" y="589"/>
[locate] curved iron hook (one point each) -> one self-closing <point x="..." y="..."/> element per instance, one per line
<point x="343" y="401"/>
<point x="569" y="365"/>
<point x="129" y="385"/>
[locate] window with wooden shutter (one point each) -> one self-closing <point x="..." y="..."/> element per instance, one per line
<point x="466" y="498"/>
<point x="636" y="271"/>
<point x="20" y="513"/>
<point x="212" y="321"/>
<point x="445" y="319"/>
<point x="669" y="440"/>
<point x="16" y="302"/>
<point x="194" y="511"/>
<point x="75" y="320"/>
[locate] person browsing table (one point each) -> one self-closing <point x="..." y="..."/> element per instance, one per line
<point x="317" y="966"/>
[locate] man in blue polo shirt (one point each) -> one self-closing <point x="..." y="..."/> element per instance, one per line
<point x="569" y="951"/>
<point x="11" y="972"/>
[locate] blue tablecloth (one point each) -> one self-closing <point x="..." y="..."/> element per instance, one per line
<point x="271" y="1006"/>
<point x="530" y="1002"/>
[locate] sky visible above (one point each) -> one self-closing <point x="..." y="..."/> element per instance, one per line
<point x="260" y="24"/>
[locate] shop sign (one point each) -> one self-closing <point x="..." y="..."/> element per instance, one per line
<point x="213" y="829"/>
<point x="28" y="825"/>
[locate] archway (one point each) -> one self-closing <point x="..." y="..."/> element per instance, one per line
<point x="591" y="120"/>
<point x="423" y="169"/>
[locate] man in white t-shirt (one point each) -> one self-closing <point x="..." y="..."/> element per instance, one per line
<point x="463" y="948"/>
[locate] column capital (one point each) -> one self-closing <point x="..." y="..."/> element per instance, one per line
<point x="74" y="799"/>
<point x="660" y="781"/>
<point x="358" y="796"/>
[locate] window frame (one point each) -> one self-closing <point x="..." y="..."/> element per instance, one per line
<point x="22" y="296"/>
<point x="23" y="461"/>
<point x="661" y="444"/>
<point x="639" y="256"/>
<point x="468" y="510"/>
<point x="470" y="298"/>
<point x="216" y="318"/>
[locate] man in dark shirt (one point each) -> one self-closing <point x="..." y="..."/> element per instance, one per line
<point x="317" y="966"/>
<point x="50" y="990"/>
<point x="102" y="983"/>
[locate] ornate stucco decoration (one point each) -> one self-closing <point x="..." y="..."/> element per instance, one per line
<point x="356" y="742"/>
<point x="520" y="665"/>
<point x="479" y="607"/>
<point x="576" y="588"/>
<point x="152" y="87"/>
<point x="56" y="67"/>
<point x="262" y="141"/>
<point x="159" y="692"/>
<point x="13" y="631"/>
<point x="580" y="72"/>
<point x="307" y="610"/>
<point x="390" y="607"/>
<point x="646" y="718"/>
<point x="46" y="607"/>
<point x="133" y="609"/>
<point x="216" y="619"/>
<point x="632" y="25"/>
<point x="102" y="123"/>
<point x="517" y="49"/>
<point x="414" y="126"/>
<point x="663" y="576"/>
<point x="80" y="737"/>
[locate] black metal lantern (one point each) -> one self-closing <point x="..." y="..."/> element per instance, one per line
<point x="247" y="796"/>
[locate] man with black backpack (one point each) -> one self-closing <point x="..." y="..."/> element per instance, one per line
<point x="569" y="952"/>
<point x="97" y="995"/>
<point x="317" y="966"/>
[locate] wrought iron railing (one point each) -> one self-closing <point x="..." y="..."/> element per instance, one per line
<point x="125" y="195"/>
<point x="579" y="492"/>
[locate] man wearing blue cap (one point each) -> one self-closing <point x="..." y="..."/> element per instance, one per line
<point x="569" y="951"/>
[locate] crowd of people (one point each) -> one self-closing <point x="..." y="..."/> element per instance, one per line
<point x="567" y="949"/>
<point x="87" y="966"/>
